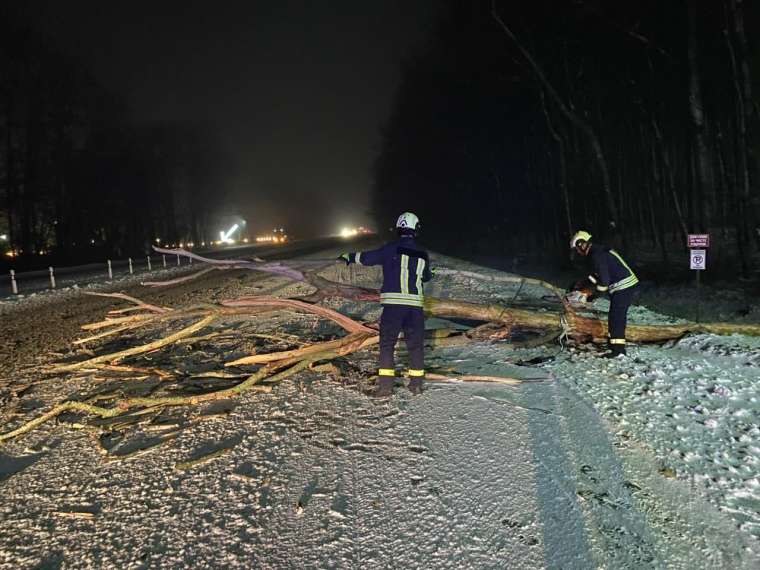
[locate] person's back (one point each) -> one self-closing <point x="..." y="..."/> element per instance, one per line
<point x="406" y="266"/>
<point x="612" y="270"/>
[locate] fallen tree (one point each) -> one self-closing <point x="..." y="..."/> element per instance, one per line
<point x="500" y="321"/>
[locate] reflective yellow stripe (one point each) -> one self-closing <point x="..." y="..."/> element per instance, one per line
<point x="412" y="299"/>
<point x="624" y="284"/>
<point x="386" y="372"/>
<point x="617" y="341"/>
<point x="627" y="282"/>
<point x="413" y="372"/>
<point x="420" y="270"/>
<point x="404" y="273"/>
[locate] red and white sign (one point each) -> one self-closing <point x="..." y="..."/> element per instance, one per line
<point x="698" y="240"/>
<point x="698" y="259"/>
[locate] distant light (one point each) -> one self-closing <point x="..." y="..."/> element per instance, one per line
<point x="225" y="236"/>
<point x="92" y="242"/>
<point x="3" y="237"/>
<point x="348" y="232"/>
<point x="245" y="240"/>
<point x="158" y="240"/>
<point x="11" y="253"/>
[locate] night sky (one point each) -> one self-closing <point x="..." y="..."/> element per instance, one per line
<point x="297" y="90"/>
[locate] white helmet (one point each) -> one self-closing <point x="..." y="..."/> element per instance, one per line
<point x="579" y="236"/>
<point x="407" y="220"/>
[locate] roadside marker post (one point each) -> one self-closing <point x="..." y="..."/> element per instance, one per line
<point x="149" y="269"/>
<point x="52" y="278"/>
<point x="178" y="263"/>
<point x="110" y="271"/>
<point x="164" y="256"/>
<point x="14" y="286"/>
<point x="131" y="272"/>
<point x="698" y="244"/>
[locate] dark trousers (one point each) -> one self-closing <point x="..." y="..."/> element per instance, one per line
<point x="617" y="319"/>
<point x="411" y="320"/>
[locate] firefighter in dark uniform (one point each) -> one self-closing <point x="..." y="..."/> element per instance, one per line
<point x="611" y="275"/>
<point x="406" y="267"/>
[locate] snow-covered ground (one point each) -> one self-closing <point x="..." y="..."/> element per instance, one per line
<point x="645" y="462"/>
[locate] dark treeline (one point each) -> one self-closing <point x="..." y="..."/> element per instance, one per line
<point x="523" y="121"/>
<point x="77" y="178"/>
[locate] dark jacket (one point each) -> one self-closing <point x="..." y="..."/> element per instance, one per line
<point x="612" y="273"/>
<point x="405" y="268"/>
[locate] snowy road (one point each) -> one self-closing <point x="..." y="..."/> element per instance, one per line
<point x="557" y="472"/>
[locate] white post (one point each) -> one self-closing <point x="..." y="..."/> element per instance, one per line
<point x="14" y="286"/>
<point x="164" y="256"/>
<point x="178" y="260"/>
<point x="52" y="278"/>
<point x="131" y="272"/>
<point x="191" y="260"/>
<point x="110" y="271"/>
<point x="149" y="263"/>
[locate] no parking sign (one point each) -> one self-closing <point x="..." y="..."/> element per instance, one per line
<point x="698" y="259"/>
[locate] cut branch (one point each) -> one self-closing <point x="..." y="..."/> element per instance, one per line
<point x="139" y="349"/>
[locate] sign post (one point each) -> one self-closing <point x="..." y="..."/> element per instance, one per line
<point x="698" y="244"/>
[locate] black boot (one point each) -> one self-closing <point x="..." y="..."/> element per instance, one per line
<point x="615" y="351"/>
<point x="416" y="385"/>
<point x="383" y="387"/>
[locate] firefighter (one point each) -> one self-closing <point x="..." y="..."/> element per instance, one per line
<point x="406" y="267"/>
<point x="614" y="276"/>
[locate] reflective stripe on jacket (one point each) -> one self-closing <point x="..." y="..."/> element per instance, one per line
<point x="612" y="272"/>
<point x="406" y="267"/>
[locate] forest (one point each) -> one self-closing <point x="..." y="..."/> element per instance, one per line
<point x="79" y="178"/>
<point x="522" y="122"/>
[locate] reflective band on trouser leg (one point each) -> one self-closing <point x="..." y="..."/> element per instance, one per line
<point x="617" y="341"/>
<point x="414" y="334"/>
<point x="386" y="372"/>
<point x="358" y="258"/>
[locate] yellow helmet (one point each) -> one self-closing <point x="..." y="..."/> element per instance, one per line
<point x="581" y="235"/>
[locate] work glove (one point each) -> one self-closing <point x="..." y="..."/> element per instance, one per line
<point x="344" y="257"/>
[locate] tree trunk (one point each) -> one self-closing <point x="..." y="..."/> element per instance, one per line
<point x="574" y="118"/>
<point x="743" y="222"/>
<point x="702" y="184"/>
<point x="562" y="166"/>
<point x="670" y="181"/>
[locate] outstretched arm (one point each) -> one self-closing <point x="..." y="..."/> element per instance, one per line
<point x="371" y="257"/>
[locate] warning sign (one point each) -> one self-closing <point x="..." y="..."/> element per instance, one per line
<point x="698" y="259"/>
<point x="698" y="240"/>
